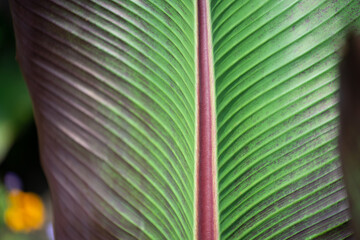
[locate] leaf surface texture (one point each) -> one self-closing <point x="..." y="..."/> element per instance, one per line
<point x="276" y="77"/>
<point x="113" y="84"/>
<point x="114" y="88"/>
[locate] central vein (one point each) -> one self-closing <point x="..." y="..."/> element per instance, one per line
<point x="207" y="223"/>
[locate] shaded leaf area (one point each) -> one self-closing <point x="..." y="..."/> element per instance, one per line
<point x="349" y="139"/>
<point x="113" y="88"/>
<point x="277" y="120"/>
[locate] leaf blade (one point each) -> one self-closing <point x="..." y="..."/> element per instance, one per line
<point x="275" y="68"/>
<point x="115" y="116"/>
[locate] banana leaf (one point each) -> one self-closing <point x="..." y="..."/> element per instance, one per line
<point x="185" y="119"/>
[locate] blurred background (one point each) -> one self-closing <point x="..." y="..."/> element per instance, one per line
<point x="25" y="211"/>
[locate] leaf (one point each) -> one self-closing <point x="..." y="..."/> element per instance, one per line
<point x="113" y="86"/>
<point x="277" y="119"/>
<point x="117" y="86"/>
<point x="349" y="118"/>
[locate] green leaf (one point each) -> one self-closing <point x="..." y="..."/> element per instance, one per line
<point x="276" y="86"/>
<point x="115" y="87"/>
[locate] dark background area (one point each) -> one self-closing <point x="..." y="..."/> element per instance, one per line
<point x="22" y="155"/>
<point x="19" y="152"/>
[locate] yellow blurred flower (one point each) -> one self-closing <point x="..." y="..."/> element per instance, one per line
<point x="25" y="211"/>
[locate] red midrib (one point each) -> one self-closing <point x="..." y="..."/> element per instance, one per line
<point x="206" y="205"/>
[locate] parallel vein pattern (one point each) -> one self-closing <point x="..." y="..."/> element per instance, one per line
<point x="276" y="94"/>
<point x="113" y="86"/>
